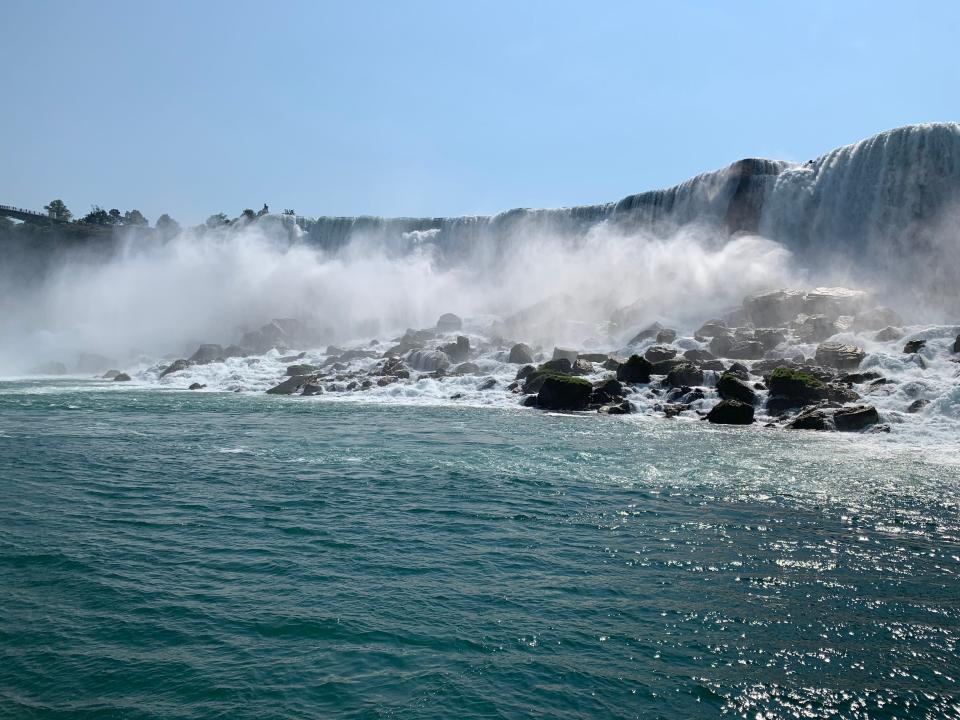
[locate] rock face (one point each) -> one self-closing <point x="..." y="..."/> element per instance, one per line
<point x="858" y="417"/>
<point x="176" y="366"/>
<point x="448" y="322"/>
<point x="775" y="308"/>
<point x="207" y="354"/>
<point x="457" y="351"/>
<point x="659" y="353"/>
<point x="635" y="370"/>
<point x="721" y="344"/>
<point x="814" y="328"/>
<point x="561" y="392"/>
<point x="746" y="350"/>
<point x="837" y="355"/>
<point x="731" y="412"/>
<point x="428" y="360"/>
<point x="685" y="374"/>
<point x="559" y="365"/>
<point x="121" y="377"/>
<point x="521" y="354"/>
<point x="914" y="346"/>
<point x="731" y="387"/>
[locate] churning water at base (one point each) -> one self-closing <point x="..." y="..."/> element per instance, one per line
<point x="197" y="555"/>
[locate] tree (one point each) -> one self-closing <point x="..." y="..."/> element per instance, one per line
<point x="134" y="217"/>
<point x="289" y="212"/>
<point x="97" y="216"/>
<point x="167" y="225"/>
<point x="217" y="220"/>
<point x="115" y="217"/>
<point x="248" y="215"/>
<point x="57" y="210"/>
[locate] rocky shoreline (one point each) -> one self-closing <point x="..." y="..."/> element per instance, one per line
<point x="788" y="358"/>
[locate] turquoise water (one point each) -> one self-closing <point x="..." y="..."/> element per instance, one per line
<point x="171" y="554"/>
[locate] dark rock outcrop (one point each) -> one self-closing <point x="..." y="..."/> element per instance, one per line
<point x="811" y="418"/>
<point x="196" y="386"/>
<point x="858" y="417"/>
<point x="685" y="374"/>
<point x="521" y="354"/>
<point x="176" y="366"/>
<point x="666" y="336"/>
<point x="565" y="353"/>
<point x="457" y="351"/>
<point x="290" y="385"/>
<point x="562" y="392"/>
<point x="206" y="354"/>
<point x="121" y="377"/>
<point x="648" y="333"/>
<point x="914" y="346"/>
<point x="839" y="356"/>
<point x="730" y="387"/>
<point x="746" y="350"/>
<point x="658" y="353"/>
<point x="917" y="405"/>
<point x="302" y="369"/>
<point x="622" y="407"/>
<point x="731" y="412"/>
<point x="635" y="370"/>
<point x="560" y="365"/>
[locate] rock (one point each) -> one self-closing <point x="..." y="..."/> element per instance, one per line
<point x="291" y="358"/>
<point x="312" y="389"/>
<point x="266" y="338"/>
<point x="858" y="417"/>
<point x="834" y="302"/>
<point x="648" y="333"/>
<point x="207" y="354"/>
<point x="685" y="374"/>
<point x="525" y="372"/>
<point x="487" y="384"/>
<point x="582" y="367"/>
<point x="811" y="418"/>
<point x="746" y="350"/>
<point x="176" y="366"/>
<point x="565" y="354"/>
<point x="612" y="387"/>
<point x="290" y="385"/>
<point x="670" y="410"/>
<point x="594" y="357"/>
<point x="739" y="370"/>
<point x="698" y="355"/>
<point x="303" y="369"/>
<point x="730" y="387"/>
<point x="110" y="374"/>
<point x="521" y="354"/>
<point x="558" y="365"/>
<point x="859" y="378"/>
<point x="51" y="368"/>
<point x="612" y="363"/>
<point x="196" y="386"/>
<point x="635" y="370"/>
<point x="814" y="328"/>
<point x="529" y="401"/>
<point x="769" y="338"/>
<point x="333" y="350"/>
<point x="467" y="368"/>
<point x="774" y="308"/>
<point x="657" y="353"/>
<point x="875" y="319"/>
<point x="837" y="355"/>
<point x="914" y="346"/>
<point x="888" y="334"/>
<point x="428" y="360"/>
<point x="121" y="377"/>
<point x="956" y="345"/>
<point x="720" y="345"/>
<point x="712" y="328"/>
<point x="562" y="392"/>
<point x="793" y="388"/>
<point x="917" y="405"/>
<point x="715" y="365"/>
<point x="666" y="336"/>
<point x="448" y="322"/>
<point x="731" y="412"/>
<point x="619" y="408"/>
<point x="457" y="351"/>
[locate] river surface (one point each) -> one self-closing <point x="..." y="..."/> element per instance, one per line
<point x="213" y="555"/>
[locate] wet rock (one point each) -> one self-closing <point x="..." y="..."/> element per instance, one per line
<point x="858" y="417"/>
<point x="488" y="384"/>
<point x="448" y="322"/>
<point x="731" y="412"/>
<point x="685" y="374"/>
<point x="917" y="405"/>
<point x="467" y="368"/>
<point x="457" y="396"/>
<point x="618" y="408"/>
<point x="302" y="369"/>
<point x="606" y="391"/>
<point x="521" y="354"/>
<point x="859" y="378"/>
<point x="561" y="392"/>
<point x="428" y="360"/>
<point x="730" y="387"/>
<point x="612" y="363"/>
<point x="206" y="354"/>
<point x="658" y="353"/>
<point x="888" y="334"/>
<point x="529" y="401"/>
<point x="525" y="372"/>
<point x="793" y="388"/>
<point x="739" y="370"/>
<point x="176" y="366"/>
<point x="457" y="351"/>
<point x="774" y="308"/>
<point x="746" y="350"/>
<point x="312" y="389"/>
<point x="121" y="377"/>
<point x="720" y="345"/>
<point x="558" y="365"/>
<point x="711" y="328"/>
<point x="648" y="333"/>
<point x="814" y="328"/>
<point x="386" y="380"/>
<point x="110" y="374"/>
<point x="834" y="302"/>
<point x="838" y="355"/>
<point x="635" y="370"/>
<point x="811" y="418"/>
<point x="956" y="345"/>
<point x="666" y="336"/>
<point x="582" y="367"/>
<point x="565" y="354"/>
<point x="290" y="385"/>
<point x="196" y="386"/>
<point x="769" y="338"/>
<point x="698" y="355"/>
<point x="914" y="346"/>
<point x="594" y="357"/>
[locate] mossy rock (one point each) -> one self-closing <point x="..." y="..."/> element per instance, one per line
<point x="562" y="392"/>
<point x="635" y="370"/>
<point x="794" y="383"/>
<point x="730" y="387"/>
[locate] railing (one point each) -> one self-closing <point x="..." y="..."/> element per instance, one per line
<point x="10" y="209"/>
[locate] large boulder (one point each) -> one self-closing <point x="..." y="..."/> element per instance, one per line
<point x="428" y="360"/>
<point x="206" y="354"/>
<point x="774" y="309"/>
<point x="721" y="344"/>
<point x="562" y="392"/>
<point x="121" y="377"/>
<point x="635" y="370"/>
<point x="769" y="338"/>
<point x="711" y="328"/>
<point x="811" y="418"/>
<point x="814" y="328"/>
<point x="521" y="354"/>
<point x="858" y="417"/>
<point x="290" y="385"/>
<point x="914" y="346"/>
<point x="793" y="388"/>
<point x="746" y="350"/>
<point x="731" y="412"/>
<point x="658" y="353"/>
<point x="666" y="336"/>
<point x="176" y="366"/>
<point x="698" y="355"/>
<point x="301" y="369"/>
<point x="564" y="353"/>
<point x="685" y="375"/>
<point x="449" y="322"/>
<point x="839" y="356"/>
<point x="834" y="302"/>
<point x="467" y="368"/>
<point x="731" y="387"/>
<point x="559" y="365"/>
<point x="457" y="351"/>
<point x="888" y="334"/>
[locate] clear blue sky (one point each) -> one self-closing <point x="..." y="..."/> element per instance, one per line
<point x="442" y="108"/>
